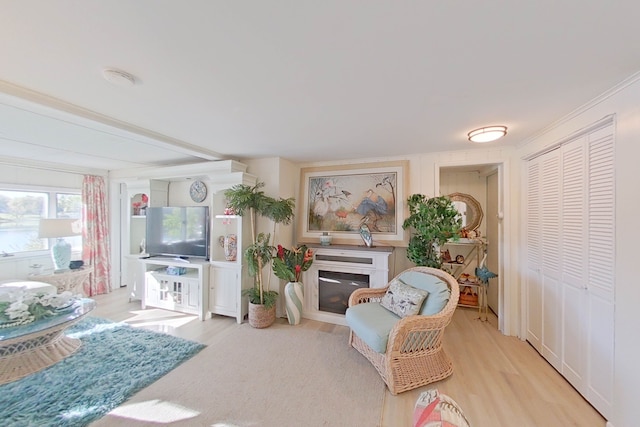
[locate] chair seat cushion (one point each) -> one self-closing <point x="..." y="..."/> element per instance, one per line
<point x="372" y="323"/>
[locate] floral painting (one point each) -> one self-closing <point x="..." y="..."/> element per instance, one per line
<point x="340" y="201"/>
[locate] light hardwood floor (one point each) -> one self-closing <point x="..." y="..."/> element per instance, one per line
<point x="497" y="380"/>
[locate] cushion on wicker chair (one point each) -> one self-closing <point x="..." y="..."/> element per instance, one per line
<point x="402" y="299"/>
<point x="438" y="290"/>
<point x="372" y="323"/>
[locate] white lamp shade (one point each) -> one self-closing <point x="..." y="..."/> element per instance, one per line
<point x="51" y="228"/>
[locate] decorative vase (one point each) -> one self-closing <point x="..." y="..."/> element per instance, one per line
<point x="261" y="317"/>
<point x="325" y="239"/>
<point x="230" y="247"/>
<point x="293" y="295"/>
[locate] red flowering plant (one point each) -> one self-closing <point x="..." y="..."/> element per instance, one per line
<point x="290" y="263"/>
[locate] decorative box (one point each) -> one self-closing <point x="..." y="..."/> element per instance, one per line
<point x="176" y="271"/>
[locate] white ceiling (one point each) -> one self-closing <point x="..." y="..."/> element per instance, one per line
<point x="304" y="80"/>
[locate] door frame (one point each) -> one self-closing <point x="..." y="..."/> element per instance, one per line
<point x="508" y="320"/>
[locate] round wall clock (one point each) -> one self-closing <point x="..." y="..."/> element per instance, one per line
<point x="198" y="191"/>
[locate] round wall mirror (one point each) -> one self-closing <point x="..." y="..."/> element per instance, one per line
<point x="469" y="209"/>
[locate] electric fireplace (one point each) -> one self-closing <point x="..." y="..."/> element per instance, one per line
<point x="336" y="272"/>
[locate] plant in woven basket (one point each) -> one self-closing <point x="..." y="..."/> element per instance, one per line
<point x="433" y="221"/>
<point x="244" y="199"/>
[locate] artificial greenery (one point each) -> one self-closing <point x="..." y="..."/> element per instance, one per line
<point x="433" y="221"/>
<point x="288" y="264"/>
<point x="21" y="307"/>
<point x="243" y="199"/>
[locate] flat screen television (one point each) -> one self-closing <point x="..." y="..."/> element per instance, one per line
<point x="181" y="232"/>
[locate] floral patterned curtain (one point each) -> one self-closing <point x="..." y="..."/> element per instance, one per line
<point x="96" y="247"/>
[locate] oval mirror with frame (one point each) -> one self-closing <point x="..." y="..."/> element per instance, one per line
<point x="470" y="210"/>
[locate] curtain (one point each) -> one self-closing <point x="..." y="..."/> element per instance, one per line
<point x="96" y="247"/>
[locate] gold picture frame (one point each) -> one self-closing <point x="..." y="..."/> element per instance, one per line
<point x="339" y="199"/>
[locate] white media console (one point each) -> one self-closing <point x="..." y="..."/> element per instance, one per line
<point x="187" y="293"/>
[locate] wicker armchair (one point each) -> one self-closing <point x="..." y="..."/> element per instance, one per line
<point x="414" y="355"/>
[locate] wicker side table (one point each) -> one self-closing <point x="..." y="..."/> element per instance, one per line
<point x="71" y="280"/>
<point x="35" y="346"/>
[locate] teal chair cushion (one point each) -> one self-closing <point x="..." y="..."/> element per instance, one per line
<point x="372" y="323"/>
<point x="439" y="292"/>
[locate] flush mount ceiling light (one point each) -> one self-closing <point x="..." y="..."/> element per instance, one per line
<point x="487" y="134"/>
<point x="118" y="77"/>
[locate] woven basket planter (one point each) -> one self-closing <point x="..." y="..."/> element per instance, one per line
<point x="260" y="317"/>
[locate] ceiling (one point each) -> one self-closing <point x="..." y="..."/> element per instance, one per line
<point x="303" y="80"/>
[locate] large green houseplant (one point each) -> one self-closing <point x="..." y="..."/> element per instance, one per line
<point x="432" y="221"/>
<point x="250" y="200"/>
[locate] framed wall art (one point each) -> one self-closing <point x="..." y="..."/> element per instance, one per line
<point x="339" y="199"/>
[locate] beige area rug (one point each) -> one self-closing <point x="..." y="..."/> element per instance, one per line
<point x="285" y="376"/>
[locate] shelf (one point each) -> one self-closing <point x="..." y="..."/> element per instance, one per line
<point x="164" y="274"/>
<point x="138" y="216"/>
<point x="464" y="241"/>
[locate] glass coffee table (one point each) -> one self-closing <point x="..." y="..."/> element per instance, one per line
<point x="30" y="348"/>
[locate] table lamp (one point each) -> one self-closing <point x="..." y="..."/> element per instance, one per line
<point x="59" y="229"/>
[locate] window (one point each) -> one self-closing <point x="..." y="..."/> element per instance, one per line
<point x="20" y="213"/>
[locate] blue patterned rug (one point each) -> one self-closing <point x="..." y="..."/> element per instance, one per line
<point x="115" y="361"/>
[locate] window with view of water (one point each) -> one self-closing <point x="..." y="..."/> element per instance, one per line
<point x="20" y="214"/>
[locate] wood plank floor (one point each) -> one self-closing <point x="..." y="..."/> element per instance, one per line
<point x="497" y="380"/>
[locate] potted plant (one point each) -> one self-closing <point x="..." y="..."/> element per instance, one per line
<point x="243" y="199"/>
<point x="433" y="221"/>
<point x="288" y="264"/>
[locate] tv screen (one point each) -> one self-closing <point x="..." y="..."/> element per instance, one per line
<point x="178" y="231"/>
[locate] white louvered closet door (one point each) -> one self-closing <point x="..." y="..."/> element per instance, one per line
<point x="550" y="225"/>
<point x="573" y="262"/>
<point x="601" y="270"/>
<point x="533" y="243"/>
<point x="570" y="265"/>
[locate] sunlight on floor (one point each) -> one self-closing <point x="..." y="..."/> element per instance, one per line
<point x="159" y="320"/>
<point x="96" y="329"/>
<point x="156" y="411"/>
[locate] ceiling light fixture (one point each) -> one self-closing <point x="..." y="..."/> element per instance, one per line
<point x="487" y="134"/>
<point x="118" y="77"/>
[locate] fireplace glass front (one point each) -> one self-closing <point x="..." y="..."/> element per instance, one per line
<point x="334" y="289"/>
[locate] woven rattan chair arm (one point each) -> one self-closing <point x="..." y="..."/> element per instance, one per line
<point x="366" y="295"/>
<point x="428" y="328"/>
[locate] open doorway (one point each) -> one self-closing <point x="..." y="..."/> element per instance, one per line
<point x="482" y="182"/>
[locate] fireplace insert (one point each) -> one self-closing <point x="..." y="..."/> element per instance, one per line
<point x="334" y="289"/>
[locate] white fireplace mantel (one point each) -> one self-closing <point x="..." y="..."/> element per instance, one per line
<point x="372" y="262"/>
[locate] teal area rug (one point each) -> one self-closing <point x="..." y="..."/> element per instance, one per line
<point x="115" y="361"/>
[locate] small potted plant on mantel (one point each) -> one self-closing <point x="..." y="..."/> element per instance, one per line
<point x="242" y="198"/>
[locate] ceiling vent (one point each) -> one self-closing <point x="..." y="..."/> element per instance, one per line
<point x="118" y="77"/>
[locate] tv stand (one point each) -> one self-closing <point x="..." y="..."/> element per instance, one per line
<point x="186" y="293"/>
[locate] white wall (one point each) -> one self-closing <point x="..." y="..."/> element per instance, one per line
<point x="625" y="104"/>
